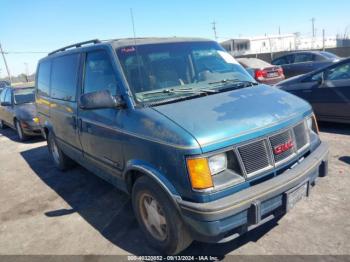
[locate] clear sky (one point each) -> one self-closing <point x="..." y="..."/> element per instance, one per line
<point x="45" y="25"/>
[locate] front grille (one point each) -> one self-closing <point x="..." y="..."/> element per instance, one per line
<point x="263" y="154"/>
<point x="281" y="139"/>
<point x="255" y="156"/>
<point x="301" y="138"/>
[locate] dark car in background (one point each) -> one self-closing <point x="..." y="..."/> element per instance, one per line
<point x="297" y="63"/>
<point x="262" y="71"/>
<point x="326" y="89"/>
<point x="17" y="110"/>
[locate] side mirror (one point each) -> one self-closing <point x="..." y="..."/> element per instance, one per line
<point x="99" y="100"/>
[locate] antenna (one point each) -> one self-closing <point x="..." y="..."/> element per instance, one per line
<point x="137" y="53"/>
<point x="133" y="24"/>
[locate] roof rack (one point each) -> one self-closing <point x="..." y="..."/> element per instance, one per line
<point x="93" y="41"/>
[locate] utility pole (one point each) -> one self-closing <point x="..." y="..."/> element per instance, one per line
<point x="26" y="70"/>
<point x="313" y="32"/>
<point x="313" y="26"/>
<point x="323" y="39"/>
<point x="7" y="68"/>
<point x="214" y="29"/>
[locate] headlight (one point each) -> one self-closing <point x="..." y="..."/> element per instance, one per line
<point x="36" y="120"/>
<point x="312" y="124"/>
<point x="217" y="163"/>
<point x="201" y="170"/>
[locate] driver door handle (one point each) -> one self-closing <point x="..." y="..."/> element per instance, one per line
<point x="74" y="122"/>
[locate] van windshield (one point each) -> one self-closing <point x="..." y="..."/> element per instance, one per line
<point x="167" y="71"/>
<point x="24" y="96"/>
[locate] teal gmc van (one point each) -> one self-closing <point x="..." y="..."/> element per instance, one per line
<point x="205" y="152"/>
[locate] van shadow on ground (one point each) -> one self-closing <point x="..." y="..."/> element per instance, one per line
<point x="109" y="210"/>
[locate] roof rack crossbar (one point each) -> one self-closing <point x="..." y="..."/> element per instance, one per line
<point x="93" y="41"/>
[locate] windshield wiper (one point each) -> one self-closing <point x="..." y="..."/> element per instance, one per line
<point x="181" y="91"/>
<point x="230" y="81"/>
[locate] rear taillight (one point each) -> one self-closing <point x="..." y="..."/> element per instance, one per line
<point x="280" y="71"/>
<point x="260" y="74"/>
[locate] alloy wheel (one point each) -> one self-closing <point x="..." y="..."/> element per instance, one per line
<point x="153" y="217"/>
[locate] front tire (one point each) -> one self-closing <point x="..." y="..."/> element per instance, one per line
<point x="60" y="159"/>
<point x="21" y="135"/>
<point x="158" y="218"/>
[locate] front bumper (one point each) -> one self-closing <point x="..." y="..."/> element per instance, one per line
<point x="224" y="219"/>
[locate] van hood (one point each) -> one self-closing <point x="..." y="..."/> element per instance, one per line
<point x="223" y="119"/>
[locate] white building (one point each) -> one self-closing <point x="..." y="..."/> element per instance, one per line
<point x="261" y="44"/>
<point x="304" y="43"/>
<point x="276" y="43"/>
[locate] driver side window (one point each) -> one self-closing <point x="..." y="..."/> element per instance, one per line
<point x="341" y="72"/>
<point x="99" y="74"/>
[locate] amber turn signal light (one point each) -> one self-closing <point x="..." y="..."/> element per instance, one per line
<point x="199" y="173"/>
<point x="36" y="120"/>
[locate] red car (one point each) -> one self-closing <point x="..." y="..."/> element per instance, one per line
<point x="262" y="71"/>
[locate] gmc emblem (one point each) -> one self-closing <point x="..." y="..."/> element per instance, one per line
<point x="283" y="147"/>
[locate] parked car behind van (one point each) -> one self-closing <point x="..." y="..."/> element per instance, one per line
<point x="326" y="89"/>
<point x="18" y="111"/>
<point x="302" y="62"/>
<point x="204" y="151"/>
<point x="3" y="84"/>
<point x="262" y="71"/>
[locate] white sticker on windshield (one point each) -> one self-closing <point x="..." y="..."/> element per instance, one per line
<point x="227" y="57"/>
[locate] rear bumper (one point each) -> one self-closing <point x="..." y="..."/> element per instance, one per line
<point x="226" y="218"/>
<point x="31" y="129"/>
<point x="272" y="81"/>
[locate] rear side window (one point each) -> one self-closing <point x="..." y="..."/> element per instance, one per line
<point x="99" y="74"/>
<point x="64" y="77"/>
<point x="301" y="58"/>
<point x="280" y="61"/>
<point x="44" y="78"/>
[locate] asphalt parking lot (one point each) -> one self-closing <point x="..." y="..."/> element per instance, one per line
<point x="44" y="211"/>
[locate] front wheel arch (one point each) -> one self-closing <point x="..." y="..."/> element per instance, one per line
<point x="136" y="171"/>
